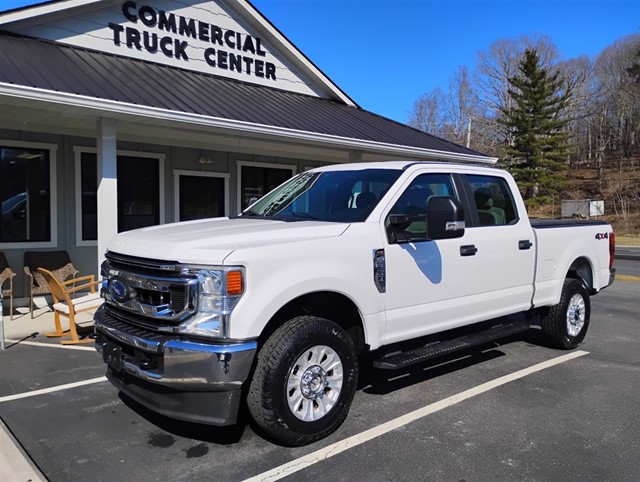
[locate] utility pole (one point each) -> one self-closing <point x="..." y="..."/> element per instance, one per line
<point x="468" y="131"/>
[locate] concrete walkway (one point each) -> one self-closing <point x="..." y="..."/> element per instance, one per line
<point x="22" y="326"/>
<point x="15" y="465"/>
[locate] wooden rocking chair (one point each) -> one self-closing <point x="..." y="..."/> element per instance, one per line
<point x="68" y="307"/>
<point x="57" y="262"/>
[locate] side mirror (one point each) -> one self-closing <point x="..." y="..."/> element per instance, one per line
<point x="445" y="218"/>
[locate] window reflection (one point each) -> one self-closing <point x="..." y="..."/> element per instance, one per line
<point x="25" y="197"/>
<point x="258" y="181"/>
<point x="138" y="193"/>
<point x="201" y="197"/>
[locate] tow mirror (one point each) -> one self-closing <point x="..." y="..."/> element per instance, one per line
<point x="445" y="218"/>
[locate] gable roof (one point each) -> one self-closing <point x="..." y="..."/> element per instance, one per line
<point x="37" y="69"/>
<point x="41" y="14"/>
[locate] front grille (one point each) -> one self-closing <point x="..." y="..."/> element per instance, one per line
<point x="143" y="265"/>
<point x="149" y="292"/>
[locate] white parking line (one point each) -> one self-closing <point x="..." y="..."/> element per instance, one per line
<point x="58" y="388"/>
<point x="51" y="345"/>
<point x="351" y="442"/>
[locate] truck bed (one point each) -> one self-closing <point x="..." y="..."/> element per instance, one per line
<point x="563" y="223"/>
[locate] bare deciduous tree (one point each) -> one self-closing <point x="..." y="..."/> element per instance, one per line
<point x="427" y="112"/>
<point x="603" y="113"/>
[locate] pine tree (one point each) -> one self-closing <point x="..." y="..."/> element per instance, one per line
<point x="539" y="146"/>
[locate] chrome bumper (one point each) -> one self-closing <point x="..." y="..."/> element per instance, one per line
<point x="183" y="379"/>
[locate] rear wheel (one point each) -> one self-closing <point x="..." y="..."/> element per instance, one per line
<point x="304" y="382"/>
<point x="566" y="324"/>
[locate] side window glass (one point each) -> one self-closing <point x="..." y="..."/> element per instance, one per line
<point x="493" y="200"/>
<point x="413" y="202"/>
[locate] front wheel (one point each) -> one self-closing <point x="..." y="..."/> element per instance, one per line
<point x="566" y="324"/>
<point x="304" y="381"/>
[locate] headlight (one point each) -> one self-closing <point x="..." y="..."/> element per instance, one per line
<point x="219" y="290"/>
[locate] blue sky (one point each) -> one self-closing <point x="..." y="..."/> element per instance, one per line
<point x="386" y="53"/>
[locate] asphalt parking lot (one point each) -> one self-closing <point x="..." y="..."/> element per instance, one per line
<point x="499" y="414"/>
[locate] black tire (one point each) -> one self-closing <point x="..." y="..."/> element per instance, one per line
<point x="296" y="355"/>
<point x="566" y="324"/>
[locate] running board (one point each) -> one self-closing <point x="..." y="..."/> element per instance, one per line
<point x="396" y="360"/>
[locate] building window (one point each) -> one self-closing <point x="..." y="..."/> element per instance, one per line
<point x="139" y="178"/>
<point x="255" y="179"/>
<point x="138" y="192"/>
<point x="200" y="195"/>
<point x="27" y="194"/>
<point x="89" y="196"/>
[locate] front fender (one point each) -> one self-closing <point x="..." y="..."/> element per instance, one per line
<point x="277" y="276"/>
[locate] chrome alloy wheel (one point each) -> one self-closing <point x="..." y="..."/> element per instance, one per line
<point x="314" y="383"/>
<point x="575" y="315"/>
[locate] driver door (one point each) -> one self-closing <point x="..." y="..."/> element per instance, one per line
<point x="429" y="284"/>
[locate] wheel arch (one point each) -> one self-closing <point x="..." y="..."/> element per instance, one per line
<point x="330" y="305"/>
<point x="582" y="269"/>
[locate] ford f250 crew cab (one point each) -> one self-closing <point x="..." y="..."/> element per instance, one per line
<point x="404" y="260"/>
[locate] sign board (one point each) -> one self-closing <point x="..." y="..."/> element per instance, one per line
<point x="201" y="35"/>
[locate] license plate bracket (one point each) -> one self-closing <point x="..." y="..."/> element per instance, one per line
<point x="112" y="356"/>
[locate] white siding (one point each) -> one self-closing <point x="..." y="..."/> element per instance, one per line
<point x="91" y="30"/>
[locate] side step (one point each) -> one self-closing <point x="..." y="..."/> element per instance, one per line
<point x="394" y="361"/>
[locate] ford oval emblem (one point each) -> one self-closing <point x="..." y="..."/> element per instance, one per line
<point x="119" y="290"/>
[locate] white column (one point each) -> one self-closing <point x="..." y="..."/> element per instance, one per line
<point x="107" y="186"/>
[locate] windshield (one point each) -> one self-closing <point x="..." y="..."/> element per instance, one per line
<point x="342" y="196"/>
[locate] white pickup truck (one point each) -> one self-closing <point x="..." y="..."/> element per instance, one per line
<point x="405" y="260"/>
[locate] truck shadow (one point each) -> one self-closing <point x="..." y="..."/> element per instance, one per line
<point x="376" y="381"/>
<point x="195" y="431"/>
<point x="371" y="381"/>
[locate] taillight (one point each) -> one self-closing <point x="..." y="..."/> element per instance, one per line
<point x="612" y="248"/>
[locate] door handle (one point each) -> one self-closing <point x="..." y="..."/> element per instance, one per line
<point x="525" y="244"/>
<point x="468" y="250"/>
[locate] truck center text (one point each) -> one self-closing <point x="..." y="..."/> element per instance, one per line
<point x="187" y="27"/>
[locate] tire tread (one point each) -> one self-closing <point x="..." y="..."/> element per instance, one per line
<point x="554" y="322"/>
<point x="259" y="396"/>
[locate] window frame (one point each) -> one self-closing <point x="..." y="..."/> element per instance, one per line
<point x="474" y="209"/>
<point x="53" y="192"/>
<point x="176" y="188"/>
<point x="458" y="193"/>
<point x="270" y="165"/>
<point x="77" y="153"/>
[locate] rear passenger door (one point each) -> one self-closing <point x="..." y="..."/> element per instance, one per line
<point x="504" y="239"/>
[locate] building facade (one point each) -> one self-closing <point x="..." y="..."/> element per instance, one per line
<point x="116" y="115"/>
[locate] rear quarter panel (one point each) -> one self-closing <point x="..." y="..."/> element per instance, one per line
<point x="559" y="245"/>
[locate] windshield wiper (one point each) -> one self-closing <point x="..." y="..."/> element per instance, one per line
<point x="297" y="216"/>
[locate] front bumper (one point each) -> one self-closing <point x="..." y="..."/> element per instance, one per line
<point x="182" y="379"/>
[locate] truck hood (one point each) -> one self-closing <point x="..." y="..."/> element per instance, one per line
<point x="214" y="239"/>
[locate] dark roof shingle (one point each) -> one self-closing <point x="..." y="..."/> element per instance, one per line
<point x="56" y="67"/>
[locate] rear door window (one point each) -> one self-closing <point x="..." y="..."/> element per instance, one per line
<point x="492" y="200"/>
